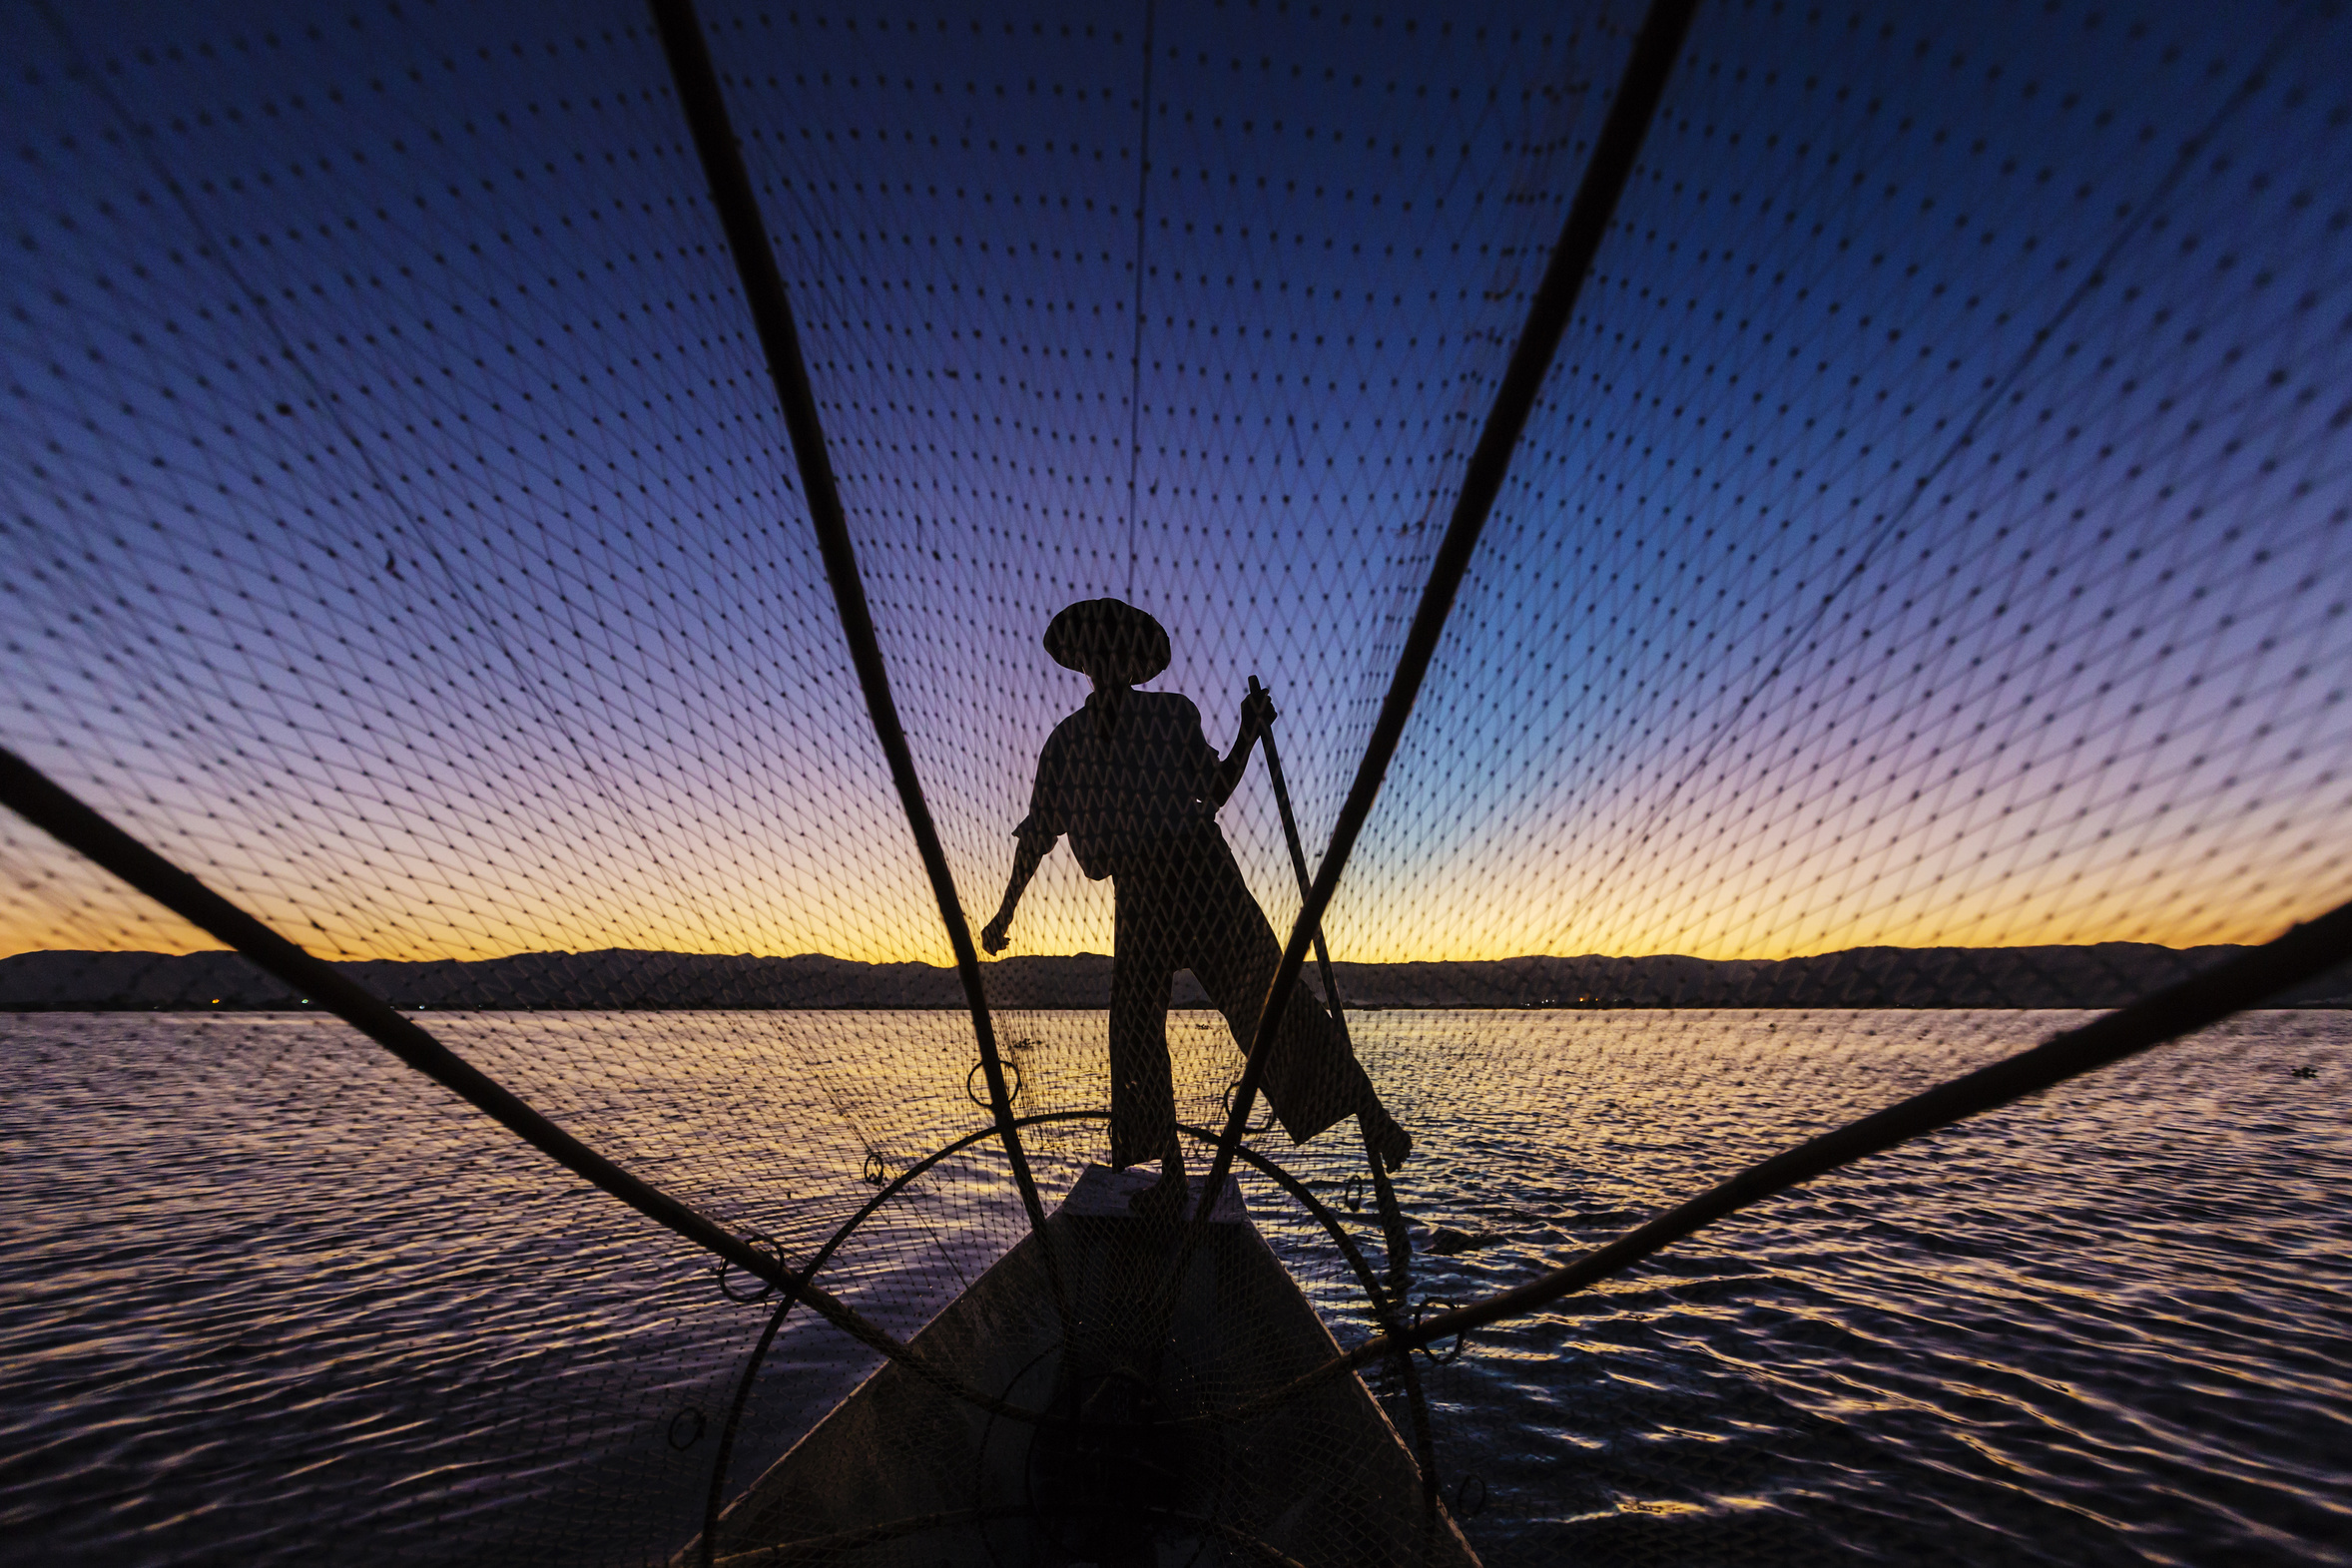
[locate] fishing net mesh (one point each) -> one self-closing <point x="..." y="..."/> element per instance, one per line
<point x="1913" y="617"/>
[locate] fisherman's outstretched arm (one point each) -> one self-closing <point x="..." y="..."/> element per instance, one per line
<point x="1032" y="848"/>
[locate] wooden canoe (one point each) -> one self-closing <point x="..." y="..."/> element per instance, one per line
<point x="902" y="1473"/>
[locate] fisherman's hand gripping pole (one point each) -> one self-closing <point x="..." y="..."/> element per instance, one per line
<point x="1256" y="712"/>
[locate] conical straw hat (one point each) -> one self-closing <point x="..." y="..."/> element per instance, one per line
<point x="1110" y="640"/>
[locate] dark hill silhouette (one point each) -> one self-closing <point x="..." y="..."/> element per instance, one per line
<point x="2108" y="975"/>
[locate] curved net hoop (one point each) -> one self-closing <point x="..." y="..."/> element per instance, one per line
<point x="1911" y="621"/>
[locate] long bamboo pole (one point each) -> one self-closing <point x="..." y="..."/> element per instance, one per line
<point x="1643" y="85"/>
<point x="57" y="811"/>
<point x="704" y="108"/>
<point x="2251" y="978"/>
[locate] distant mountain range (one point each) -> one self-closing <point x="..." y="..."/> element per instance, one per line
<point x="2108" y="975"/>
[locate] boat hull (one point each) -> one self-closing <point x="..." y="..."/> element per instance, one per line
<point x="901" y="1472"/>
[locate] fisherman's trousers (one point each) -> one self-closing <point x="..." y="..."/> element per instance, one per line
<point x="1182" y="904"/>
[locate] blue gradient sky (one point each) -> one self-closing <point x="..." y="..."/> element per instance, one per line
<point x="1933" y="531"/>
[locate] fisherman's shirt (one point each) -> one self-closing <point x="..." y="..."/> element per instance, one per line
<point x="1119" y="787"/>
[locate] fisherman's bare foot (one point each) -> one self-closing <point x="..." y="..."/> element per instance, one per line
<point x="1391" y="1143"/>
<point x="1163" y="1200"/>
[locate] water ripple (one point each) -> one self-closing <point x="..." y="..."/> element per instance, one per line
<point x="264" y="1295"/>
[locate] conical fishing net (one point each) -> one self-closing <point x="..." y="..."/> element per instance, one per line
<point x="1902" y="622"/>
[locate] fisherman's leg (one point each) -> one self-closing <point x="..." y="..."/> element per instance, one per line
<point x="1312" y="1078"/>
<point x="1143" y="1093"/>
<point x="1143" y="1090"/>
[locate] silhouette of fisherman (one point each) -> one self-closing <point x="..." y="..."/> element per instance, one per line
<point x="1136" y="786"/>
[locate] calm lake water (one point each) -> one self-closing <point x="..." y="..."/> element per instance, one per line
<point x="266" y="1298"/>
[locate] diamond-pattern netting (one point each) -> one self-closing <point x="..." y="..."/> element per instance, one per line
<point x="1913" y="618"/>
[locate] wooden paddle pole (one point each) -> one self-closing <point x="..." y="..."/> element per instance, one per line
<point x="1400" y="1243"/>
